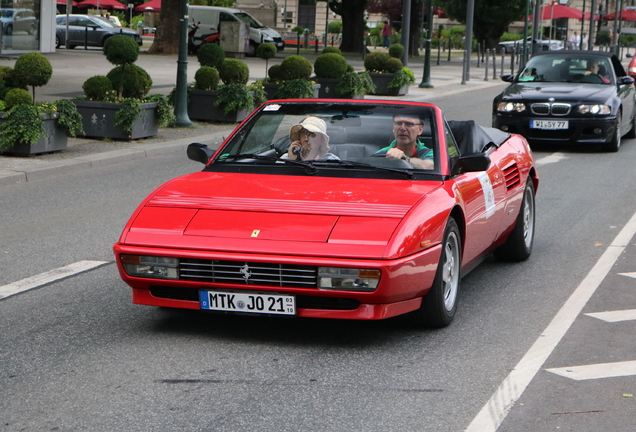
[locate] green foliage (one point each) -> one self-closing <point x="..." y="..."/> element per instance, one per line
<point x="234" y="71"/>
<point x="6" y="74"/>
<point x="507" y="37"/>
<point x="165" y="111"/>
<point x="330" y="65"/>
<point x="259" y="93"/>
<point x="374" y="62"/>
<point x="295" y="89"/>
<point x="206" y="78"/>
<point x="129" y="112"/>
<point x="603" y="38"/>
<point x="275" y="73"/>
<point x="295" y="67"/>
<point x="350" y="85"/>
<point x="96" y="87"/>
<point x="32" y="69"/>
<point x="69" y="118"/>
<point x="396" y="51"/>
<point x="133" y="81"/>
<point x="17" y="96"/>
<point x="234" y="97"/>
<point x="210" y="54"/>
<point x="403" y="77"/>
<point x="266" y="51"/>
<point x="22" y="126"/>
<point x="331" y="50"/>
<point x="3" y="106"/>
<point x="298" y="30"/>
<point x="393" y="65"/>
<point x="121" y="50"/>
<point x="334" y="27"/>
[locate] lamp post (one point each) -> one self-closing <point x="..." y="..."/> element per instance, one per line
<point x="181" y="94"/>
<point x="426" y="78"/>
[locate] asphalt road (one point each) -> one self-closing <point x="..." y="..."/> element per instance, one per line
<point x="76" y="355"/>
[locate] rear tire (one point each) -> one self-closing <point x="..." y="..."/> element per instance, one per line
<point x="439" y="305"/>
<point x="518" y="246"/>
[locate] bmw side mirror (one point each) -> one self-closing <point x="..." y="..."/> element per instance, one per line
<point x="507" y="77"/>
<point x="625" y="80"/>
<point x="199" y="153"/>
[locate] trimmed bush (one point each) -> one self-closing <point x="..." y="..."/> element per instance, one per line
<point x="331" y="50"/>
<point x="275" y="73"/>
<point x="121" y="50"/>
<point x="374" y="62"/>
<point x="393" y="65"/>
<point x="266" y="51"/>
<point x="136" y="81"/>
<point x="396" y="51"/>
<point x="206" y="78"/>
<point x="32" y="69"/>
<point x="95" y="88"/>
<point x="296" y="67"/>
<point x="210" y="54"/>
<point x="233" y="71"/>
<point x="330" y="65"/>
<point x="17" y="96"/>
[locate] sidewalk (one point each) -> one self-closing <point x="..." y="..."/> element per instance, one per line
<point x="72" y="67"/>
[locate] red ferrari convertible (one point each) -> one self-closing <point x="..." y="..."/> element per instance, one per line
<point x="361" y="209"/>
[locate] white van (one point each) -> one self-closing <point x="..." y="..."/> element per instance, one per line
<point x="209" y="19"/>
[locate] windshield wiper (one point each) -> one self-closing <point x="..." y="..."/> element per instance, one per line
<point x="309" y="165"/>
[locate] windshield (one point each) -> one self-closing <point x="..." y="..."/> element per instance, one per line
<point x="6" y="13"/>
<point x="248" y="19"/>
<point x="333" y="135"/>
<point x="568" y="68"/>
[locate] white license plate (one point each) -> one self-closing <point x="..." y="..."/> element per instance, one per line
<point x="549" y="124"/>
<point x="248" y="302"/>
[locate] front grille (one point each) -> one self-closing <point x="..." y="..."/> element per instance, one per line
<point x="561" y="109"/>
<point x="540" y="108"/>
<point x="557" y="109"/>
<point x="248" y="273"/>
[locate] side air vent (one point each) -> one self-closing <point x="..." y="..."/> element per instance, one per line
<point x="511" y="174"/>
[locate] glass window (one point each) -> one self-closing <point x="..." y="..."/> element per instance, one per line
<point x="20" y="27"/>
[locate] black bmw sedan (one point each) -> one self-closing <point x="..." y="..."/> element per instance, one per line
<point x="583" y="97"/>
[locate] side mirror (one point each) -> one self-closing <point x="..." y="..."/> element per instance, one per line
<point x="471" y="163"/>
<point x="508" y="77"/>
<point x="629" y="55"/>
<point x="625" y="80"/>
<point x="199" y="153"/>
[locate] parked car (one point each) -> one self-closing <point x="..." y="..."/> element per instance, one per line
<point x="350" y="233"/>
<point x="22" y="20"/>
<point x="88" y="29"/>
<point x="557" y="99"/>
<point x="517" y="46"/>
<point x="631" y="68"/>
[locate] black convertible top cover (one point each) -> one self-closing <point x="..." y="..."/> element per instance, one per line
<point x="473" y="138"/>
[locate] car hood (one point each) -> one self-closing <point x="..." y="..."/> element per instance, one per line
<point x="570" y="92"/>
<point x="264" y="213"/>
<point x="269" y="32"/>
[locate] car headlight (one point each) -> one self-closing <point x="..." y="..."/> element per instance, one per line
<point x="511" y="106"/>
<point x="600" y="109"/>
<point x="348" y="279"/>
<point x="155" y="267"/>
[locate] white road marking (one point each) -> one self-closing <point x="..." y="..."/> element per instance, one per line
<point x="631" y="275"/>
<point x="553" y="158"/>
<point x="597" y="371"/>
<point x="501" y="402"/>
<point x="615" y="316"/>
<point x="48" y="277"/>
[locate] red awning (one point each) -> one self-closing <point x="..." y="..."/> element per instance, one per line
<point x="559" y="11"/>
<point x="102" y="4"/>
<point x="151" y="6"/>
<point x="625" y="15"/>
<point x="63" y="2"/>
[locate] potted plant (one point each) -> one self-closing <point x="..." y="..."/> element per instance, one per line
<point x="115" y="106"/>
<point x="290" y="80"/>
<point x="27" y="127"/>
<point x="338" y="79"/>
<point x="266" y="51"/>
<point x="383" y="69"/>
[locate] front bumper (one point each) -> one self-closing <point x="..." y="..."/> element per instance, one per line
<point x="580" y="130"/>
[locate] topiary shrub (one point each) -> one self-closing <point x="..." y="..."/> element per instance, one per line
<point x="133" y="81"/>
<point x="17" y="96"/>
<point x="22" y="126"/>
<point x="206" y="78"/>
<point x="96" y="87"/>
<point x="374" y="62"/>
<point x="331" y="50"/>
<point x="295" y="89"/>
<point x="393" y="65"/>
<point x="296" y="67"/>
<point x="266" y="51"/>
<point x="275" y="73"/>
<point x="330" y="65"/>
<point x="233" y="71"/>
<point x="121" y="50"/>
<point x="32" y="69"/>
<point x="396" y="51"/>
<point x="210" y="54"/>
<point x="7" y="74"/>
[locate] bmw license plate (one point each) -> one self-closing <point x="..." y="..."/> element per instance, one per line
<point x="549" y="124"/>
<point x="248" y="302"/>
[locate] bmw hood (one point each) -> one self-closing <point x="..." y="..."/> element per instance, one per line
<point x="263" y="213"/>
<point x="561" y="92"/>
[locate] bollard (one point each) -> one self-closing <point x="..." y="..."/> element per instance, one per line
<point x="486" y="65"/>
<point x="512" y="61"/>
<point x="449" y="50"/>
<point x="494" y="64"/>
<point x="439" y="50"/>
<point x="503" y="58"/>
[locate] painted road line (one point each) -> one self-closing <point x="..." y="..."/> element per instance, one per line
<point x="550" y="159"/>
<point x="631" y="275"/>
<point x="501" y="402"/>
<point x="48" y="277"/>
<point x="597" y="371"/>
<point x="615" y="316"/>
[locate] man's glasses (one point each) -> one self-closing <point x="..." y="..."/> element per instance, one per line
<point x="408" y="124"/>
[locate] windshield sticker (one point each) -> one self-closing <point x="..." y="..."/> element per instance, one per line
<point x="489" y="195"/>
<point x="274" y="107"/>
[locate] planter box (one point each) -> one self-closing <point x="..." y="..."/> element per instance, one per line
<point x="54" y="140"/>
<point x="201" y="107"/>
<point x="382" y="80"/>
<point x="98" y="120"/>
<point x="328" y="89"/>
<point x="271" y="89"/>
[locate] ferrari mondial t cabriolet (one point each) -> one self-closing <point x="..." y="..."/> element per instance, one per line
<point x="334" y="209"/>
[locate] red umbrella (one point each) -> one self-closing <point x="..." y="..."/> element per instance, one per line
<point x="558" y="11"/>
<point x="625" y="15"/>
<point x="152" y="5"/>
<point x="63" y="3"/>
<point x="101" y="4"/>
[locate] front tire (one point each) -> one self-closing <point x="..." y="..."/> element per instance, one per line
<point x="632" y="132"/>
<point x="439" y="305"/>
<point x="518" y="246"/>
<point x="615" y="143"/>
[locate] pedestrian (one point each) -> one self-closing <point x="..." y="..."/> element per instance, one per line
<point x="575" y="41"/>
<point x="386" y="34"/>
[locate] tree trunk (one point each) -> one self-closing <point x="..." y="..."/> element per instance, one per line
<point x="352" y="13"/>
<point x="167" y="36"/>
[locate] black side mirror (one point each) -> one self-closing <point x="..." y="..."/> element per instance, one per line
<point x="629" y="55"/>
<point x="625" y="80"/>
<point x="508" y="77"/>
<point x="199" y="153"/>
<point x="471" y="163"/>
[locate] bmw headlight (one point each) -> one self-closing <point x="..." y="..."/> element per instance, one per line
<point x="511" y="106"/>
<point x="598" y="109"/>
<point x="155" y="267"/>
<point x="348" y="279"/>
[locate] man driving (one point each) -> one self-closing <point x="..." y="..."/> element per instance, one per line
<point x="406" y="145"/>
